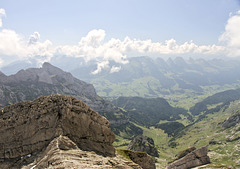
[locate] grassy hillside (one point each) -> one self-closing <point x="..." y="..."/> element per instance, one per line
<point x="209" y="129"/>
<point x="224" y="143"/>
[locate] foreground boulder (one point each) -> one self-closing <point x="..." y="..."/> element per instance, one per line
<point x="191" y="159"/>
<point x="142" y="159"/>
<point x="143" y="144"/>
<point x="28" y="127"/>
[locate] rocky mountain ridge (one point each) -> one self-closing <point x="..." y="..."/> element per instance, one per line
<point x="155" y="77"/>
<point x="34" y="82"/>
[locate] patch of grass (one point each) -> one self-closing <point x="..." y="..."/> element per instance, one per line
<point x="123" y="153"/>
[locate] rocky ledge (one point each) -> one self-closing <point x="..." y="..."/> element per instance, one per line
<point x="64" y="153"/>
<point x="28" y="127"/>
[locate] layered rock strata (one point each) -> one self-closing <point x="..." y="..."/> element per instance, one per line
<point x="28" y="127"/>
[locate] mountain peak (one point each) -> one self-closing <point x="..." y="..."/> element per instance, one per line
<point x="51" y="69"/>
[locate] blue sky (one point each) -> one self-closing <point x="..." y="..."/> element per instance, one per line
<point x="62" y="25"/>
<point x="65" y="22"/>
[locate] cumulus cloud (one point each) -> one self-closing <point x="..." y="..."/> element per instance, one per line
<point x="100" y="67"/>
<point x="34" y="38"/>
<point x="13" y="44"/>
<point x="93" y="47"/>
<point x="2" y="13"/>
<point x="93" y="38"/>
<point x="115" y="69"/>
<point x="231" y="36"/>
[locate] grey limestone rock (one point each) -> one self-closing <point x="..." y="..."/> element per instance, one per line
<point x="143" y="144"/>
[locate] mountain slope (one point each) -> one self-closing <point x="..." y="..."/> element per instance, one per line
<point x="149" y="111"/>
<point x="220" y="131"/>
<point x="216" y="99"/>
<point x="34" y="82"/>
<point x="147" y="77"/>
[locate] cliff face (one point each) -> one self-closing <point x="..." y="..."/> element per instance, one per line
<point x="35" y="82"/>
<point x="28" y="127"/>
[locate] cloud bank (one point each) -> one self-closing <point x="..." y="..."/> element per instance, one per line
<point x="13" y="44"/>
<point x="94" y="47"/>
<point x="231" y="36"/>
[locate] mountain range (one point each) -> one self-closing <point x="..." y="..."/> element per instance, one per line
<point x="213" y="120"/>
<point x="147" y="77"/>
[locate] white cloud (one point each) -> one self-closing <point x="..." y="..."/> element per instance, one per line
<point x="2" y="13"/>
<point x="115" y="69"/>
<point x="34" y="38"/>
<point x="93" y="38"/>
<point x="13" y="44"/>
<point x="232" y="35"/>
<point x="100" y="67"/>
<point x="93" y="47"/>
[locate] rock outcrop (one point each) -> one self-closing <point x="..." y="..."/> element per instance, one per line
<point x="194" y="158"/>
<point x="143" y="144"/>
<point x="232" y="121"/>
<point x="64" y="153"/>
<point x="28" y="127"/>
<point x="142" y="159"/>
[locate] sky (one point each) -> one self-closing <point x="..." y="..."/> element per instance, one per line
<point x="117" y="29"/>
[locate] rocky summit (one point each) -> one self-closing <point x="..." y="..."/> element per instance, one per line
<point x="28" y="127"/>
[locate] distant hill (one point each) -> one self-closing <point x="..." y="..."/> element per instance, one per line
<point x="149" y="111"/>
<point x="147" y="77"/>
<point x="220" y="98"/>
